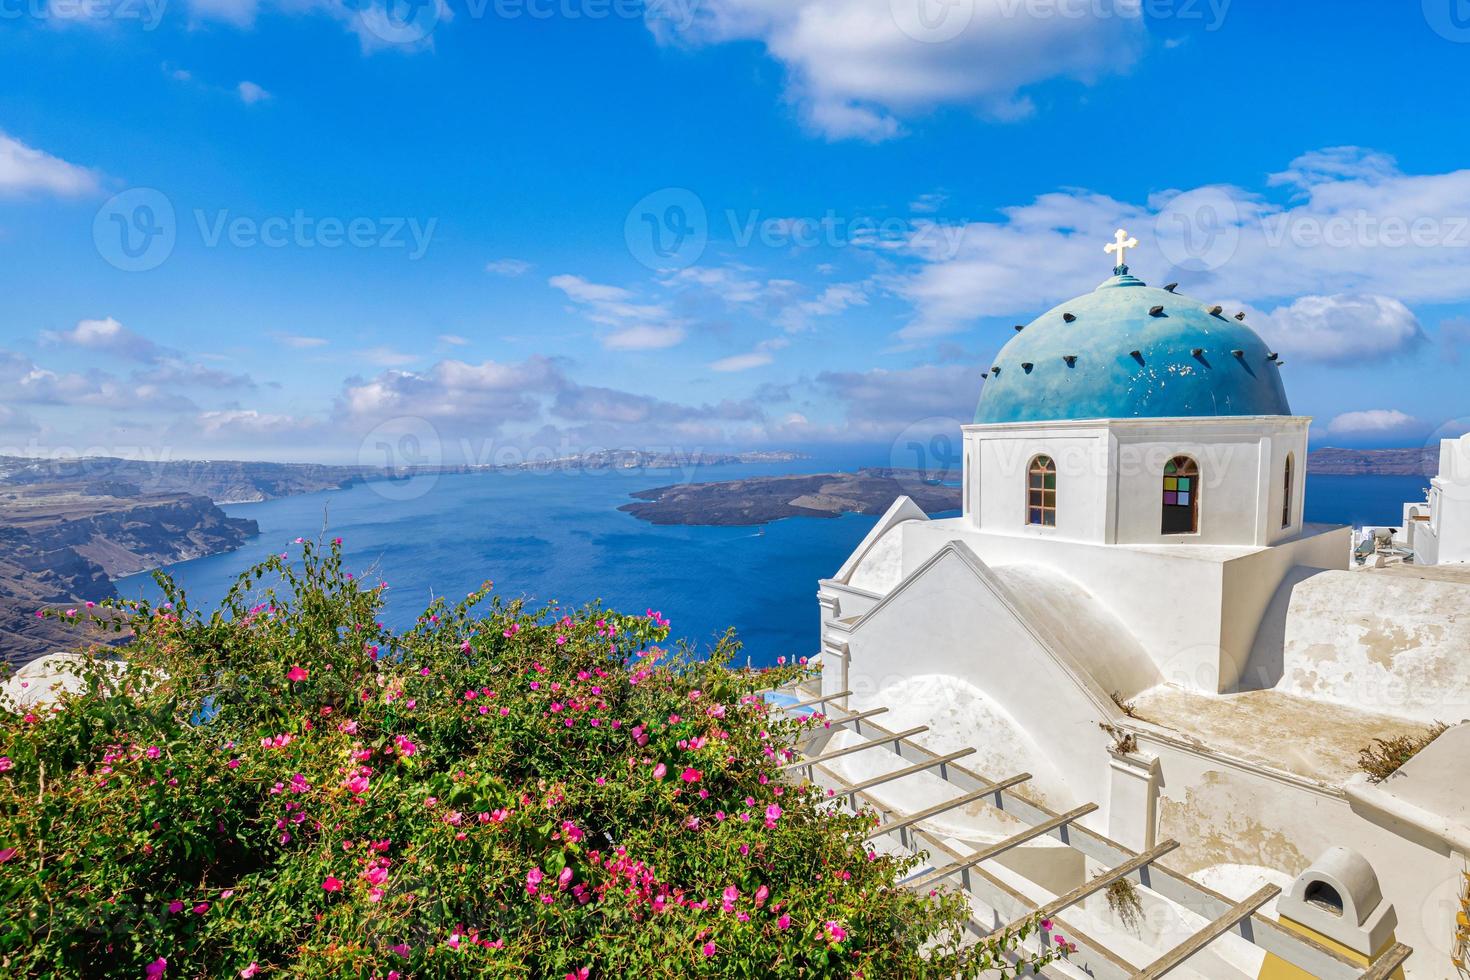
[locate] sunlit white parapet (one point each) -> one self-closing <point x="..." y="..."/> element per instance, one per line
<point x="1437" y="529"/>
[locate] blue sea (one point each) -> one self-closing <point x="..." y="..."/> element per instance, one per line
<point x="559" y="537"/>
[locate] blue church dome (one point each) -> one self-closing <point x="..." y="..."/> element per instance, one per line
<point x="1129" y="350"/>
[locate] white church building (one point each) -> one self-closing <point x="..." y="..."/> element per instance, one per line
<point x="1131" y="608"/>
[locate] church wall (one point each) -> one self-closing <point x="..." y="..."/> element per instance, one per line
<point x="998" y="462"/>
<point x="1171" y="603"/>
<point x="1251" y="584"/>
<point x="1293" y="443"/>
<point x="1230" y="483"/>
<point x="1453" y="522"/>
<point x="946" y="621"/>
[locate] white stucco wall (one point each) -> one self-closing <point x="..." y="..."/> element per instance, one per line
<point x="952" y="618"/>
<point x="1399" y="645"/>
<point x="1110" y="477"/>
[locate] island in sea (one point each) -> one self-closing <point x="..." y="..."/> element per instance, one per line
<point x="871" y="490"/>
<point x="771" y="498"/>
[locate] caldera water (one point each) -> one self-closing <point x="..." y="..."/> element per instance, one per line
<point x="558" y="536"/>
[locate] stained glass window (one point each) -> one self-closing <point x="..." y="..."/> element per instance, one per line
<point x="1181" y="496"/>
<point x="1286" y="494"/>
<point x="1041" y="492"/>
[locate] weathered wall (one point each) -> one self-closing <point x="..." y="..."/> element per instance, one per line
<point x="1387" y="643"/>
<point x="1226" y="814"/>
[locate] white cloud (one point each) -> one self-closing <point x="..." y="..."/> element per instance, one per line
<point x="1341" y="329"/>
<point x="635" y="325"/>
<point x="299" y="342"/>
<point x="1374" y="421"/>
<point x="856" y="68"/>
<point x="109" y="336"/>
<point x="832" y="300"/>
<point x="644" y="336"/>
<point x="249" y="422"/>
<point x="251" y="93"/>
<point x="387" y="357"/>
<point x="928" y="203"/>
<point x="1354" y="225"/>
<point x="742" y="362"/>
<point x="510" y="268"/>
<point x="453" y="340"/>
<point x="25" y="169"/>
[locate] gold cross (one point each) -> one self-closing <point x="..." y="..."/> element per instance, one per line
<point x="1120" y="244"/>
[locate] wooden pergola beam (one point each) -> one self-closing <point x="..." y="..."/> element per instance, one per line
<point x="849" y="750"/>
<point x="1000" y="847"/>
<point x="889" y="777"/>
<point x="947" y="805"/>
<point x="1100" y="882"/>
<point x="1197" y="942"/>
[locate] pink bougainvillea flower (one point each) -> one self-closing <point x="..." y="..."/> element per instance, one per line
<point x="250" y="970"/>
<point x="834" y="931"/>
<point x="784" y="922"/>
<point x="579" y="974"/>
<point x="176" y="906"/>
<point x="201" y="908"/>
<point x="660" y="771"/>
<point x="332" y="884"/>
<point x="6" y="853"/>
<point x="690" y="775"/>
<point x="708" y="949"/>
<point x="404" y="745"/>
<point x="155" y="969"/>
<point x="5" y="763"/>
<point x="296" y="674"/>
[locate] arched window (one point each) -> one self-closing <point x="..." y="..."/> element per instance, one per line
<point x="1041" y="492"/>
<point x="1286" y="494"/>
<point x="1181" y="496"/>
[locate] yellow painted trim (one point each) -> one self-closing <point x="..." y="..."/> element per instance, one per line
<point x="1275" y="968"/>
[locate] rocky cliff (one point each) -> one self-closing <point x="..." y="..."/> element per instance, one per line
<point x="60" y="546"/>
<point x="1419" y="461"/>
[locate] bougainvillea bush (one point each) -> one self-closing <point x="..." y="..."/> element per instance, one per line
<point x="286" y="788"/>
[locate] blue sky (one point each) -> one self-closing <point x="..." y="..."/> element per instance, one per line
<point x="854" y="202"/>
